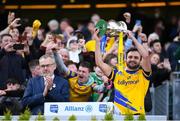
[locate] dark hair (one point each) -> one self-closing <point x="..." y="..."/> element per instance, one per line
<point x="2" y="36"/>
<point x="86" y="65"/>
<point x="32" y="64"/>
<point x="70" y="62"/>
<point x="73" y="41"/>
<point x="79" y="34"/>
<point x="132" y="49"/>
<point x="109" y="57"/>
<point x="155" y="41"/>
<point x="89" y="57"/>
<point x="65" y="20"/>
<point x="91" y="22"/>
<point x="12" y="81"/>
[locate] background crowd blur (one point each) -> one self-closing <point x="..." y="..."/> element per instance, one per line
<point x="74" y="42"/>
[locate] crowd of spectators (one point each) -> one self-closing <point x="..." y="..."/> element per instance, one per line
<point x="34" y="73"/>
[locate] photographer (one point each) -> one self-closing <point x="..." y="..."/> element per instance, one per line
<point x="11" y="64"/>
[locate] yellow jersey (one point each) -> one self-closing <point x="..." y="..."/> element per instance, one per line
<point x="78" y="92"/>
<point x="91" y="45"/>
<point x="130" y="90"/>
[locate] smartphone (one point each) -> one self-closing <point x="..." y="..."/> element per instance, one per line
<point x="138" y="22"/>
<point x="18" y="46"/>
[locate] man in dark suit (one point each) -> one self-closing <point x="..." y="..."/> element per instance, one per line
<point x="45" y="88"/>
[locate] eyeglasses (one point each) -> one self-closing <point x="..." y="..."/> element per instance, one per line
<point x="47" y="65"/>
<point x="60" y="43"/>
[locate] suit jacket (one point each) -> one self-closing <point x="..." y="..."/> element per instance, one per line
<point x="33" y="96"/>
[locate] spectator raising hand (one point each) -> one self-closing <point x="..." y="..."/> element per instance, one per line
<point x="15" y="23"/>
<point x="143" y="37"/>
<point x="51" y="46"/>
<point x="167" y="64"/>
<point x="144" y="41"/>
<point x="127" y="16"/>
<point x="81" y="43"/>
<point x="11" y="17"/>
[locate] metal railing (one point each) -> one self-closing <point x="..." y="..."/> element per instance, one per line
<point x="166" y="98"/>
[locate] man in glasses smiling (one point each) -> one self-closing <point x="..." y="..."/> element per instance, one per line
<point x="45" y="88"/>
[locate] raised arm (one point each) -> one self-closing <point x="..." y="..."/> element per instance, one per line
<point x="51" y="48"/>
<point x="146" y="65"/>
<point x="12" y="25"/>
<point x="5" y="31"/>
<point x="60" y="64"/>
<point x="98" y="57"/>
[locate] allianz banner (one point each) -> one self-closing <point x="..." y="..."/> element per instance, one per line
<point x="77" y="108"/>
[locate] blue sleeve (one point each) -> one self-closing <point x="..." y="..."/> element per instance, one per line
<point x="139" y="39"/>
<point x="128" y="44"/>
<point x="71" y="74"/>
<point x="31" y="100"/>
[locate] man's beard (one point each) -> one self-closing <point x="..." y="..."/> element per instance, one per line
<point x="133" y="67"/>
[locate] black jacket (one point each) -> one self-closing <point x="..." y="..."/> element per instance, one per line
<point x="12" y="65"/>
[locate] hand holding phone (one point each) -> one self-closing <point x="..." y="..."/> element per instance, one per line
<point x="18" y="46"/>
<point x="138" y="22"/>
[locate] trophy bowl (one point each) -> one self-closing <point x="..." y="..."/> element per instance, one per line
<point x="114" y="28"/>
